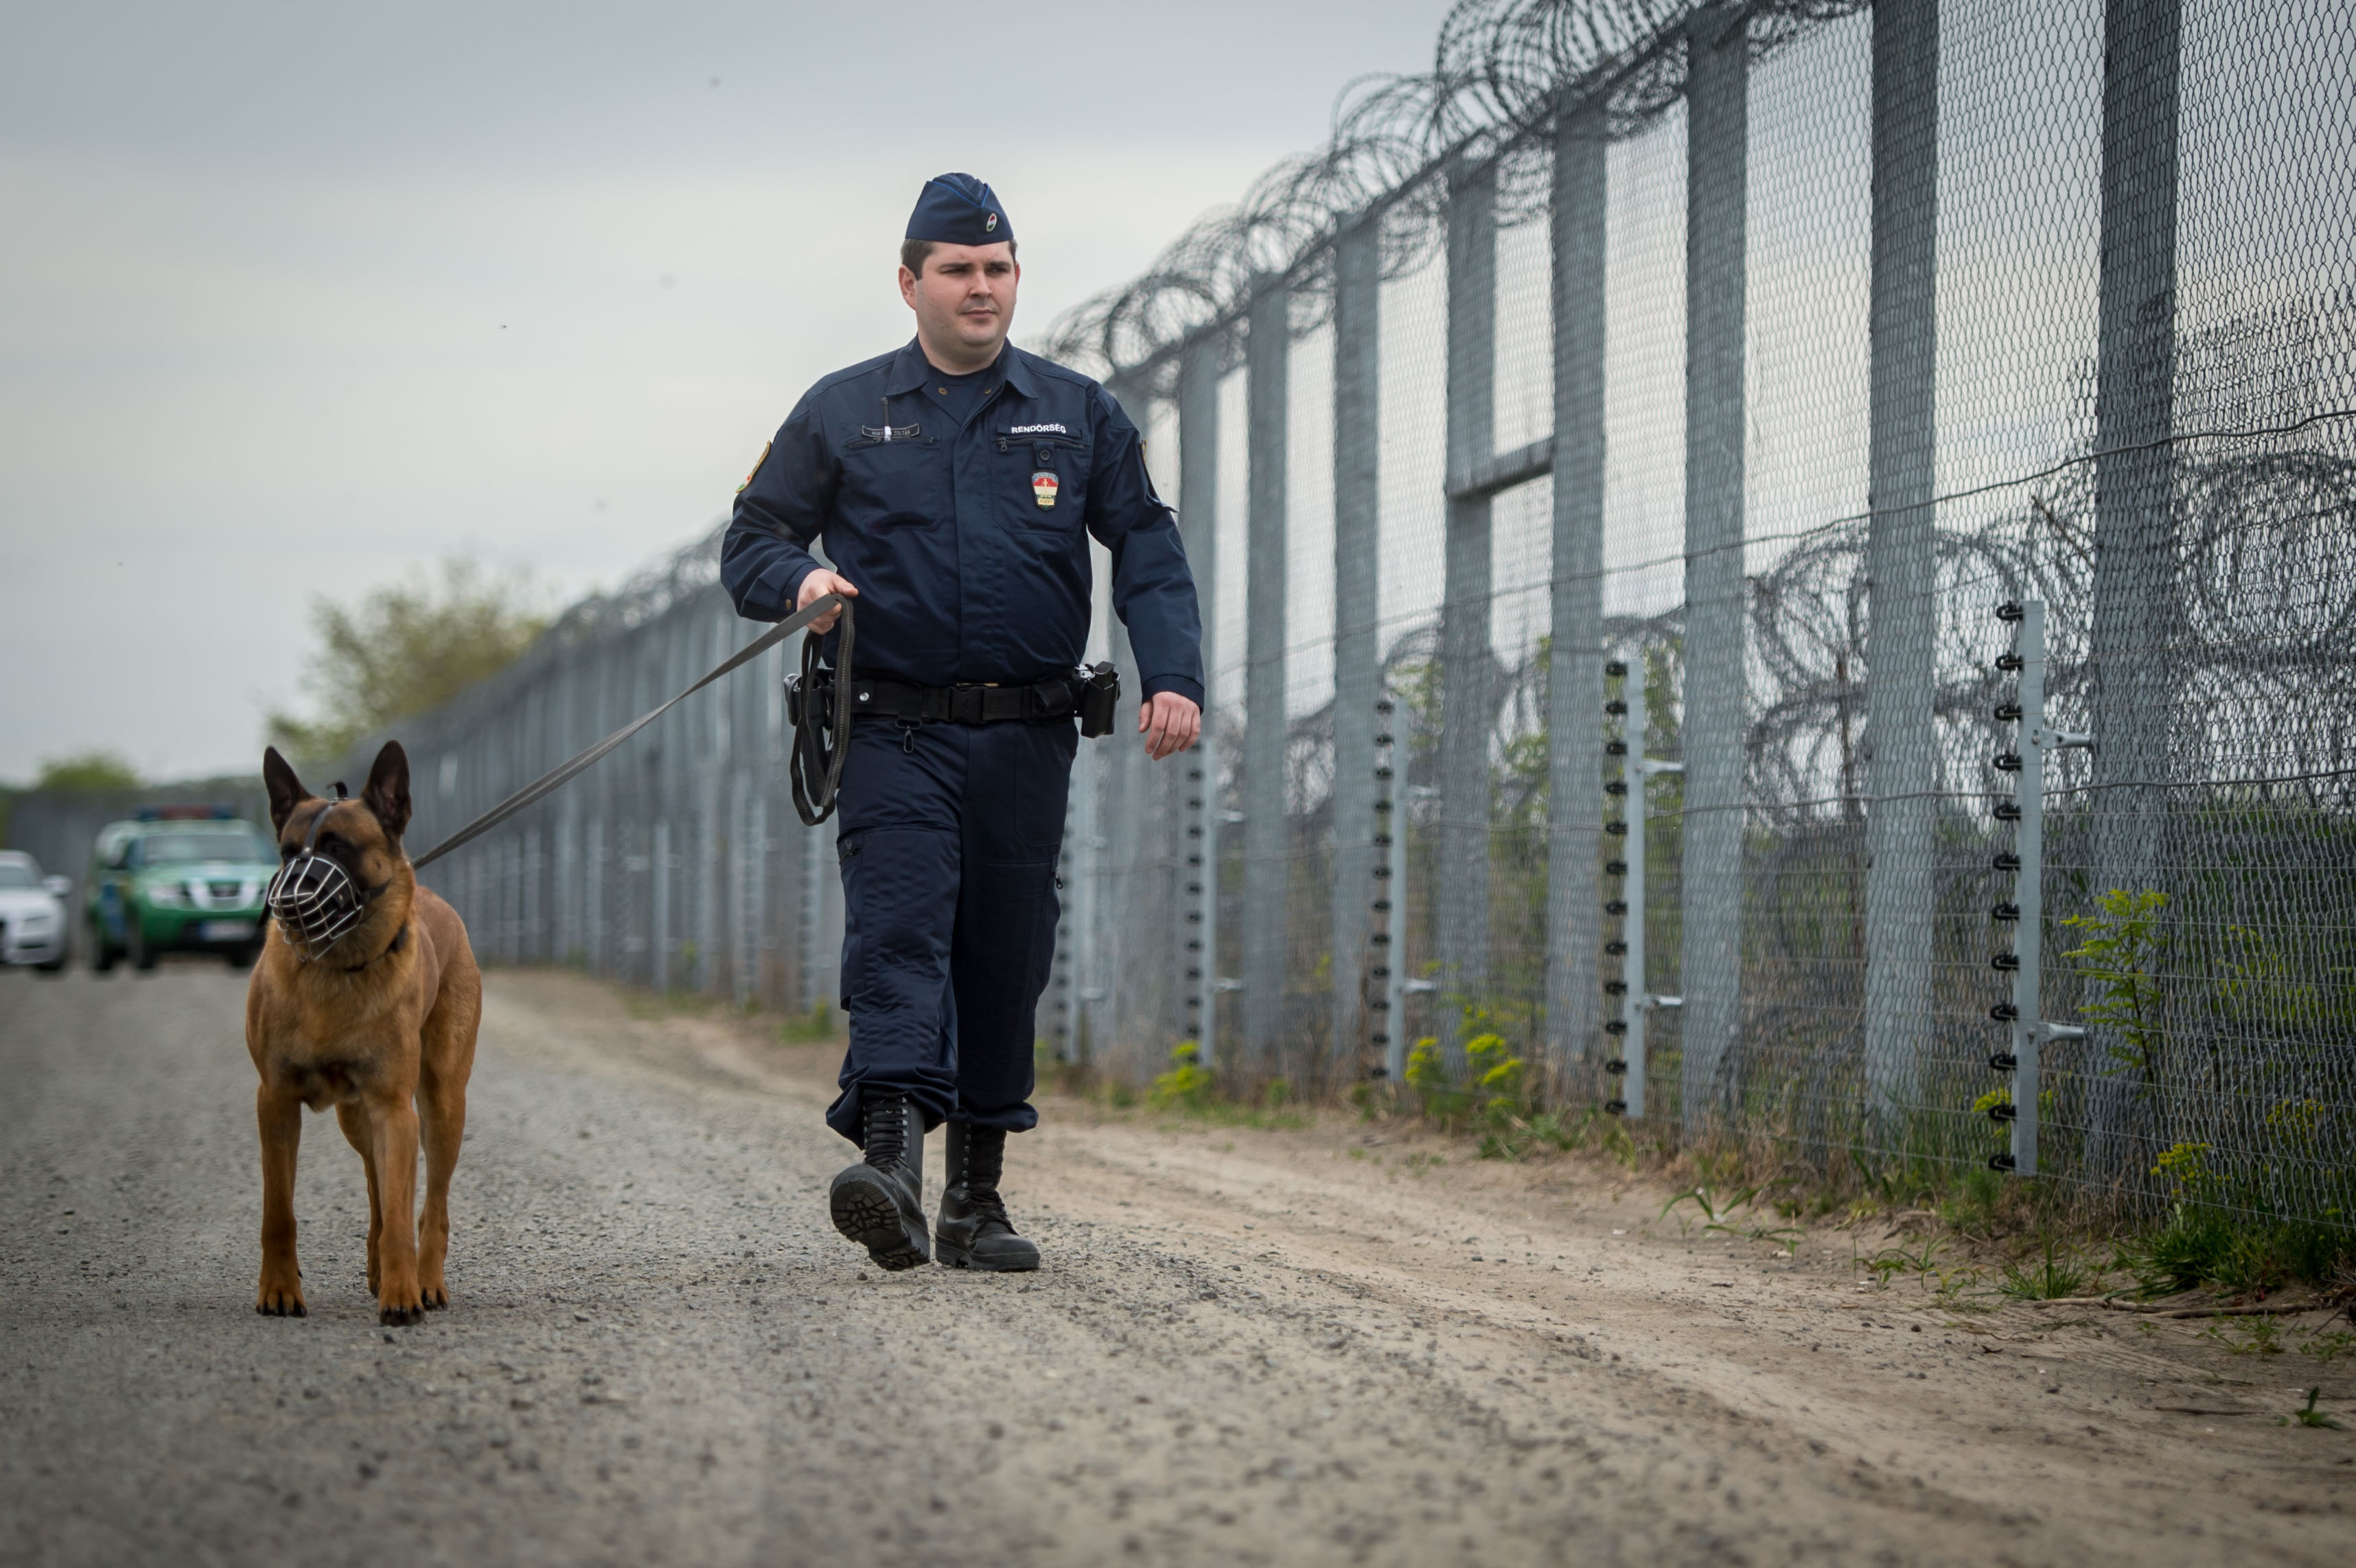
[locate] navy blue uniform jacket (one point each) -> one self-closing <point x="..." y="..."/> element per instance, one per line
<point x="966" y="543"/>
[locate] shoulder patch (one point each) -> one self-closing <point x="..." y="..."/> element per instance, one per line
<point x="756" y="467"/>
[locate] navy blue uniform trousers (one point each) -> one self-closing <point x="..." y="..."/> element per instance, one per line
<point x="947" y="837"/>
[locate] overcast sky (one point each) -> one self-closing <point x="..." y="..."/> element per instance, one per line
<point x="297" y="299"/>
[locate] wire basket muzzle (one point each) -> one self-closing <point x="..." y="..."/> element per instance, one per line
<point x="314" y="901"/>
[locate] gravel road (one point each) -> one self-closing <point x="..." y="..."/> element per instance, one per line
<point x="1257" y="1347"/>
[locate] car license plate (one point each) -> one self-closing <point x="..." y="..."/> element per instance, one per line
<point x="225" y="931"/>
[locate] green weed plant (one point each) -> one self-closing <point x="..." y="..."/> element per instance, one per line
<point x="2120" y="949"/>
<point x="2245" y="1335"/>
<point x="1188" y="1085"/>
<point x="2225" y="1232"/>
<point x="2052" y="1276"/>
<point x="2309" y="1415"/>
<point x="2329" y="1347"/>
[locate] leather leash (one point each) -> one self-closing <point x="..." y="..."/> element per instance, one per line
<point x="565" y="773"/>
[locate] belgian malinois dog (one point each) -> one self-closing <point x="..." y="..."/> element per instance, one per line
<point x="366" y="997"/>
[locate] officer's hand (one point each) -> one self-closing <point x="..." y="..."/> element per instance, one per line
<point x="817" y="585"/>
<point x="1169" y="723"/>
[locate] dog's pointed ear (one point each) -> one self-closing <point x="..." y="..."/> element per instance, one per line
<point x="286" y="792"/>
<point x="388" y="789"/>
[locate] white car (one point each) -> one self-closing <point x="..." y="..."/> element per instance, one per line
<point x="32" y="913"/>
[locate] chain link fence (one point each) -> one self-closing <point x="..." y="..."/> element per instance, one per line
<point x="1741" y="366"/>
<point x="676" y="864"/>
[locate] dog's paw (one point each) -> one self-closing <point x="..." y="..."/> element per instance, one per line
<point x="279" y="1301"/>
<point x="398" y="1305"/>
<point x="435" y="1297"/>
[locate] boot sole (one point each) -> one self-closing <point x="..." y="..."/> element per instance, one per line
<point x="953" y="1256"/>
<point x="865" y="1211"/>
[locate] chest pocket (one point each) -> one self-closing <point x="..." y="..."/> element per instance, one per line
<point x="1045" y="481"/>
<point x="893" y="484"/>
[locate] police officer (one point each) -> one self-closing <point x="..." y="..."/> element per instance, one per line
<point x="955" y="483"/>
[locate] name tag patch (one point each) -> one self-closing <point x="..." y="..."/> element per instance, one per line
<point x="1043" y="488"/>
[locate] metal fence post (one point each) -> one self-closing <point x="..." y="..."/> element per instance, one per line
<point x="1575" y="681"/>
<point x="2135" y="531"/>
<point x="1389" y="940"/>
<point x="566" y="936"/>
<point x="1629" y="905"/>
<point x="595" y="810"/>
<point x="1717" y="140"/>
<point x="535" y="933"/>
<point x="748" y="833"/>
<point x="714" y="918"/>
<point x="565" y="713"/>
<point x="1901" y="565"/>
<point x="596" y="855"/>
<point x="547" y="744"/>
<point x="1357" y="610"/>
<point x="1129" y="986"/>
<point x="1467" y="706"/>
<point x="831" y="913"/>
<point x="1267" y="838"/>
<point x="779" y="936"/>
<point x="1198" y="502"/>
<point x="814" y="871"/>
<point x="659" y="959"/>
<point x="752" y="905"/>
<point x="707" y="881"/>
<point x="2028" y="1031"/>
<point x="1062" y="1026"/>
<point x="1638" y="1004"/>
<point x="1083" y="900"/>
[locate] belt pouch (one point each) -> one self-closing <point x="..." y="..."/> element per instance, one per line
<point x="1099" y="696"/>
<point x="815" y="697"/>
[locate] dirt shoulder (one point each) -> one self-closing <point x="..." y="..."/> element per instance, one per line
<point x="2117" y="1427"/>
<point x="2144" y="1426"/>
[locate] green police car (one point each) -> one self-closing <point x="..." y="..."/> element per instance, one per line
<point x="179" y="879"/>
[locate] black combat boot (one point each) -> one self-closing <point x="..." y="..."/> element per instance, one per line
<point x="879" y="1202"/>
<point x="974" y="1232"/>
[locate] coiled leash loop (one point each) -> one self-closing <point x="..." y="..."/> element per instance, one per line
<point x="817" y="701"/>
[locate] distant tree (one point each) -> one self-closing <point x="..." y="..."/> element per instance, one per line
<point x="97" y="768"/>
<point x="406" y="650"/>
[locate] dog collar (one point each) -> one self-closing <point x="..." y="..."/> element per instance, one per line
<point x="400" y="938"/>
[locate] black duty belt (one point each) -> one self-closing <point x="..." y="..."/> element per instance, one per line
<point x="1087" y="694"/>
<point x="1051" y="699"/>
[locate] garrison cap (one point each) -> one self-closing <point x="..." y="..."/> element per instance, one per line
<point x="958" y="209"/>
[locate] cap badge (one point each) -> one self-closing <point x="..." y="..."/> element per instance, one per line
<point x="989" y="223"/>
<point x="1043" y="488"/>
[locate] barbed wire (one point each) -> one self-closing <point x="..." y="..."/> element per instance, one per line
<point x="1500" y="72"/>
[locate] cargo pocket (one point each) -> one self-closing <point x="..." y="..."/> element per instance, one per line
<point x="1043" y="780"/>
